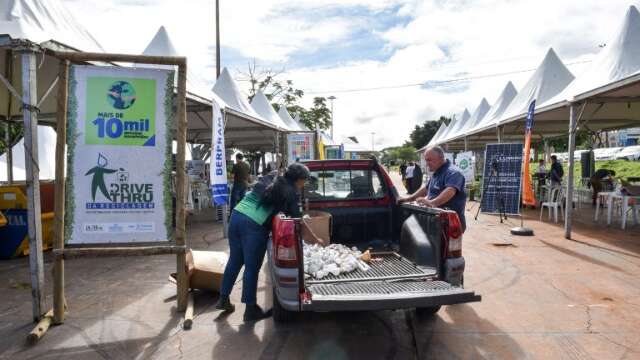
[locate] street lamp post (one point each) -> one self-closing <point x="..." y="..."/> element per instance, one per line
<point x="217" y="39"/>
<point x="372" y="137"/>
<point x="331" y="98"/>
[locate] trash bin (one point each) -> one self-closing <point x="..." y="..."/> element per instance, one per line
<point x="14" y="240"/>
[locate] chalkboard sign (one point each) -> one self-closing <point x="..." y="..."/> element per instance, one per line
<point x="502" y="179"/>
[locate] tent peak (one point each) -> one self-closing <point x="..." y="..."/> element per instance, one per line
<point x="161" y="44"/>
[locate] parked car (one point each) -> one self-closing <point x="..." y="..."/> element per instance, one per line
<point x="606" y="153"/>
<point x="420" y="249"/>
<point x="629" y="153"/>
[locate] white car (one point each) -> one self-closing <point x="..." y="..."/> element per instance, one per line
<point x="606" y="153"/>
<point x="629" y="153"/>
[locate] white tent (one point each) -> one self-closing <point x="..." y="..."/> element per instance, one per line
<point x="244" y="128"/>
<point x="300" y="124"/>
<point x="478" y="114"/>
<point x="549" y="79"/>
<point x="263" y="107"/>
<point x="46" y="157"/>
<point x="495" y="113"/>
<point x="288" y="120"/>
<point x="432" y="142"/>
<point x="41" y="21"/>
<point x="454" y="126"/>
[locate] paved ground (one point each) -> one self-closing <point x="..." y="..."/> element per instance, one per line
<point x="543" y="297"/>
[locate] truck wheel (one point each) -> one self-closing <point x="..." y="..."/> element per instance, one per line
<point x="280" y="314"/>
<point x="427" y="311"/>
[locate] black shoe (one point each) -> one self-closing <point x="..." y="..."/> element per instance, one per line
<point x="225" y="304"/>
<point x="255" y="313"/>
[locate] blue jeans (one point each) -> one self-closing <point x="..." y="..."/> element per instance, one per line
<point x="237" y="193"/>
<point x="247" y="246"/>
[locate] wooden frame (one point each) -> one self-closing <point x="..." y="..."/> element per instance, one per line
<point x="59" y="303"/>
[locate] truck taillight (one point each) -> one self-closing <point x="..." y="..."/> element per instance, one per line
<point x="285" y="242"/>
<point x="454" y="234"/>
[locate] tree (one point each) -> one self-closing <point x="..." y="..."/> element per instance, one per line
<point x="393" y="155"/>
<point x="421" y="135"/>
<point x="283" y="93"/>
<point x="15" y="134"/>
<point x="319" y="114"/>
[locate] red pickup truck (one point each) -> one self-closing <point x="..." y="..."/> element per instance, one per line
<point x="419" y="249"/>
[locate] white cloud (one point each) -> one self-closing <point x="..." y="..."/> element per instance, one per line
<point x="442" y="40"/>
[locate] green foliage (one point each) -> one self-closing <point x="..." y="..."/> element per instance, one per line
<point x="398" y="154"/>
<point x="283" y="93"/>
<point x="15" y="134"/>
<point x="422" y="134"/>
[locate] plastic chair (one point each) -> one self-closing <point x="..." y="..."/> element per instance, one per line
<point x="554" y="202"/>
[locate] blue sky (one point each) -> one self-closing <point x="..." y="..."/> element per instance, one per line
<point x="337" y="45"/>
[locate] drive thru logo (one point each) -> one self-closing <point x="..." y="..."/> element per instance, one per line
<point x="120" y="111"/>
<point x="117" y="192"/>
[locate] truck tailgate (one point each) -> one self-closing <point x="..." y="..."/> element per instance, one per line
<point x="384" y="295"/>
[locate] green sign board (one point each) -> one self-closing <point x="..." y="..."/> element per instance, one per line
<point x="120" y="111"/>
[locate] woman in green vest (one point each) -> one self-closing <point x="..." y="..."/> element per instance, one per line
<point x="249" y="228"/>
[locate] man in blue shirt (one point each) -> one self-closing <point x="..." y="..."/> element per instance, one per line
<point x="445" y="189"/>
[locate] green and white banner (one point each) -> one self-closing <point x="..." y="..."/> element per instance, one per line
<point x="464" y="161"/>
<point x="119" y="155"/>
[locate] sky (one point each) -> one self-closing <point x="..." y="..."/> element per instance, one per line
<point x="389" y="63"/>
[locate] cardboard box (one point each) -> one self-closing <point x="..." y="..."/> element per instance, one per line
<point x="205" y="269"/>
<point x="320" y="223"/>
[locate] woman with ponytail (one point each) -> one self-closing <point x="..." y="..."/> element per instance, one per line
<point x="249" y="228"/>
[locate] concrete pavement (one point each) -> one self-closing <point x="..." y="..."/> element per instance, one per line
<point x="544" y="297"/>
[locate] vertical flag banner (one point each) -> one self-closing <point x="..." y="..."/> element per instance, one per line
<point x="528" y="196"/>
<point x="219" y="186"/>
<point x="119" y="155"/>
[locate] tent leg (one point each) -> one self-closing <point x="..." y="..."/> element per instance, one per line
<point x="499" y="133"/>
<point x="9" y="152"/>
<point x="34" y="221"/>
<point x="571" y="148"/>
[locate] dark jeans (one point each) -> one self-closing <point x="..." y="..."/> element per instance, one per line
<point x="237" y="193"/>
<point x="247" y="246"/>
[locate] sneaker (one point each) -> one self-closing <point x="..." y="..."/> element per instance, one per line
<point x="225" y="304"/>
<point x="255" y="313"/>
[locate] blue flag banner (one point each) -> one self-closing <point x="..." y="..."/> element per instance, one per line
<point x="219" y="186"/>
<point x="532" y="109"/>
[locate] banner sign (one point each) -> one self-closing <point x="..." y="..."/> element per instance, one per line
<point x="219" y="186"/>
<point x="299" y="147"/>
<point x="528" y="195"/>
<point x="464" y="161"/>
<point x="119" y="155"/>
<point x="502" y="179"/>
<point x="449" y="156"/>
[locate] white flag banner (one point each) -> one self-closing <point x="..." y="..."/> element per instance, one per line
<point x="464" y="161"/>
<point x="219" y="186"/>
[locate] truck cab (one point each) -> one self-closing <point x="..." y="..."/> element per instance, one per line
<point x="419" y="250"/>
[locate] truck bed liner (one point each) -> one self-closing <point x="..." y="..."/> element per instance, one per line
<point x="392" y="267"/>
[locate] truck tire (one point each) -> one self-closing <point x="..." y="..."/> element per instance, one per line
<point x="426" y="311"/>
<point x="280" y="314"/>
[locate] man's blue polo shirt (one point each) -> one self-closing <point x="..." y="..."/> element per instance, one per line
<point x="449" y="176"/>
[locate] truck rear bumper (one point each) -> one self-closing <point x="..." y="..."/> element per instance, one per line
<point x="386" y="296"/>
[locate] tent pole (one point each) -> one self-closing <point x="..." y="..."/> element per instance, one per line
<point x="466" y="144"/>
<point x="8" y="73"/>
<point x="34" y="221"/>
<point x="180" y="235"/>
<point x="61" y="138"/>
<point x="499" y="133"/>
<point x="571" y="148"/>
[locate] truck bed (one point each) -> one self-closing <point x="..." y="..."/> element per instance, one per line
<point x="392" y="267"/>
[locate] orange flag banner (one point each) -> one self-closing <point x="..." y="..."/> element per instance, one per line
<point x="528" y="195"/>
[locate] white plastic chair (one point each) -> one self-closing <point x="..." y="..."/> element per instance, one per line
<point x="554" y="202"/>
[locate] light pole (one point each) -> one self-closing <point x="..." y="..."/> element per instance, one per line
<point x="372" y="136"/>
<point x="331" y="98"/>
<point x="217" y="39"/>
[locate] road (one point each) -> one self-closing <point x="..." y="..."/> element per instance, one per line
<point x="543" y="297"/>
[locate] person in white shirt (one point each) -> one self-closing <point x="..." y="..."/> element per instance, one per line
<point x="409" y="176"/>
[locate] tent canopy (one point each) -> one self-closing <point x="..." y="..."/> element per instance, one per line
<point x="288" y="120"/>
<point x="263" y="107"/>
